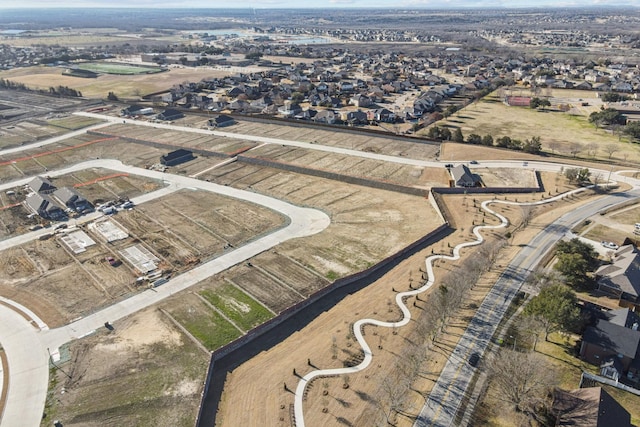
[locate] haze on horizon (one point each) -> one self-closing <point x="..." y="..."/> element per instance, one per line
<point x="264" y="4"/>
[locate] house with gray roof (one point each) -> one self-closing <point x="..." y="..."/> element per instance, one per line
<point x="463" y="177"/>
<point x="621" y="278"/>
<point x="41" y="185"/>
<point x="71" y="199"/>
<point x="613" y="343"/>
<point x="44" y="206"/>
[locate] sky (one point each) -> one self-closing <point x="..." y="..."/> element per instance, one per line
<point x="439" y="4"/>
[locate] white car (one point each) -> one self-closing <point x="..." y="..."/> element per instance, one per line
<point x="610" y="245"/>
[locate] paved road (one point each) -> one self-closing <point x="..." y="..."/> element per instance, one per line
<point x="28" y="369"/>
<point x="52" y="140"/>
<point x="443" y="402"/>
<point x="28" y="349"/>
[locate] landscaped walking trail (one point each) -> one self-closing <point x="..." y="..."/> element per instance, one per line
<point x="406" y="314"/>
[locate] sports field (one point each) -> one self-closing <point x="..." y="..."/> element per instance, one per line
<point x="115" y="68"/>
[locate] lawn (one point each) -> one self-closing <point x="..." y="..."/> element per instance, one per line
<point x="601" y="232"/>
<point x="243" y="310"/>
<point x="205" y="324"/>
<point x="628" y="216"/>
<point x="557" y="130"/>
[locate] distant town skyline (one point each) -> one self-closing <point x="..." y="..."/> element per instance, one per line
<point x="264" y="4"/>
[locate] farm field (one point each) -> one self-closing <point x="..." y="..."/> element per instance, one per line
<point x="41" y="77"/>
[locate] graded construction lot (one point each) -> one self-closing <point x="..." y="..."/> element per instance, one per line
<point x="145" y="372"/>
<point x="179" y="230"/>
<point x="188" y="227"/>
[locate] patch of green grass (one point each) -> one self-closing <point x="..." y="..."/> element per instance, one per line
<point x="331" y="275"/>
<point x="246" y="312"/>
<point x="212" y="330"/>
<point x="120" y="69"/>
<point x="74" y="122"/>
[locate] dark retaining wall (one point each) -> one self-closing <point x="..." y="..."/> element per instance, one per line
<point x="207" y="411"/>
<point x="365" y="182"/>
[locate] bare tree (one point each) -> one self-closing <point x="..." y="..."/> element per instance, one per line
<point x="554" y="146"/>
<point x="611" y="148"/>
<point x="592" y="148"/>
<point x="522" y="380"/>
<point x="575" y="148"/>
<point x="526" y="212"/>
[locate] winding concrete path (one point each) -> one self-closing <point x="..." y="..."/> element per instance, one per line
<point x="463" y="348"/>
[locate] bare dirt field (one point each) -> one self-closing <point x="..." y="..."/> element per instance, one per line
<point x="363" y="142"/>
<point x="145" y="372"/>
<point x="327" y="342"/>
<point x="490" y="116"/>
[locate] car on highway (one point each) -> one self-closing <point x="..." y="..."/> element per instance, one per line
<point x="473" y="162"/>
<point x="448" y="165"/>
<point x="609" y="245"/>
<point x="474" y="359"/>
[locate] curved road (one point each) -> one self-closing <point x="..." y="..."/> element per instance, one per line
<point x="29" y="349"/>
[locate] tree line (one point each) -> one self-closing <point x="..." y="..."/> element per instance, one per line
<point x="531" y="145"/>
<point x="56" y="91"/>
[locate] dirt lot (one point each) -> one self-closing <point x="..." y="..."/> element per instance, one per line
<point x="359" y="403"/>
<point x="145" y="372"/>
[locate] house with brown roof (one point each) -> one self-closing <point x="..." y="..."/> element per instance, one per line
<point x="588" y="407"/>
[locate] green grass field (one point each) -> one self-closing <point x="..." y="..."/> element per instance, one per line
<point x="205" y="324"/>
<point x="114" y="68"/>
<point x="243" y="310"/>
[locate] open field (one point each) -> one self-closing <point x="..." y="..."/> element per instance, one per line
<point x="145" y="372"/>
<point x="41" y="77"/>
<point x="72" y="122"/>
<point x="327" y="341"/>
<point x="490" y="116"/>
<point x="118" y="69"/>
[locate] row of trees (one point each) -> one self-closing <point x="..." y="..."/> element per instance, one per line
<point x="57" y="91"/>
<point x="612" y="118"/>
<point x="393" y="396"/>
<point x="532" y="145"/>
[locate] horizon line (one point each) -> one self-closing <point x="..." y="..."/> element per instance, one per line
<point x="426" y="7"/>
